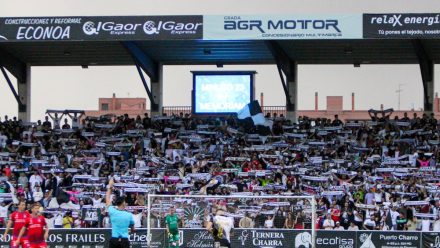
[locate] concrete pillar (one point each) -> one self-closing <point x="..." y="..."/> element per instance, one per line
<point x="292" y="87"/>
<point x="157" y="92"/>
<point x="316" y="101"/>
<point x="24" y="92"/>
<point x="352" y="102"/>
<point x="429" y="90"/>
<point x="113" y="102"/>
<point x="436" y="103"/>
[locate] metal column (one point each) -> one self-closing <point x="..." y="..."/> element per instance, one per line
<point x="427" y="70"/>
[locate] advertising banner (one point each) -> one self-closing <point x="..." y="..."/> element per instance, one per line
<point x="94" y="238"/>
<point x="255" y="238"/>
<point x="101" y="28"/>
<point x="159" y="239"/>
<point x="71" y="238"/>
<point x="292" y="27"/>
<point x="388" y="239"/>
<point x="252" y="238"/>
<point x="431" y="239"/>
<point x="401" y="26"/>
<point x="193" y="217"/>
<point x="196" y="238"/>
<point x="335" y="239"/>
<point x="270" y="238"/>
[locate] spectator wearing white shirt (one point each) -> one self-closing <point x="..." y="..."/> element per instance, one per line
<point x="426" y="224"/>
<point x="56" y="120"/>
<point x="338" y="226"/>
<point x="97" y="201"/>
<point x="328" y="224"/>
<point x="77" y="223"/>
<point x="369" y="223"/>
<point x="50" y="222"/>
<point x="106" y="221"/>
<point x="268" y="223"/>
<point x="357" y="218"/>
<point x="3" y="140"/>
<point x="95" y="170"/>
<point x="369" y="198"/>
<point x="137" y="217"/>
<point x="378" y="195"/>
<point x="37" y="194"/>
<point x="394" y="214"/>
<point x="35" y="179"/>
<point x="140" y="163"/>
<point x="353" y="227"/>
<point x="4" y="212"/>
<point x="436" y="225"/>
<point x="23" y="180"/>
<point x="58" y="222"/>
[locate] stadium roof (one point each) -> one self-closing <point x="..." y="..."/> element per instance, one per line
<point x="363" y="51"/>
<point x="194" y="39"/>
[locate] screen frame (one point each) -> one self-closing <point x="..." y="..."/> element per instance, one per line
<point x="219" y="73"/>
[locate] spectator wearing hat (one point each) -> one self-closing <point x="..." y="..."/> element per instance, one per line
<point x="338" y="226"/>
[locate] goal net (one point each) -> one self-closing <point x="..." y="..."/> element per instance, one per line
<point x="257" y="221"/>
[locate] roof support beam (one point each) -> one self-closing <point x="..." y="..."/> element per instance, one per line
<point x="144" y="63"/>
<point x="11" y="86"/>
<point x="15" y="66"/>
<point x="427" y="71"/>
<point x="287" y="69"/>
<point x="154" y="105"/>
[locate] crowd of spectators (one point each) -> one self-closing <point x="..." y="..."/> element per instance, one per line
<point x="381" y="174"/>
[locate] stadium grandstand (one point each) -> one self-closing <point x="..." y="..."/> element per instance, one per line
<point x="279" y="181"/>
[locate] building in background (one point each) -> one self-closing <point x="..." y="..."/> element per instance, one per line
<point x="119" y="106"/>
<point x="137" y="106"/>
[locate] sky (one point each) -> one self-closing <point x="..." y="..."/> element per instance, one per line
<point x="77" y="88"/>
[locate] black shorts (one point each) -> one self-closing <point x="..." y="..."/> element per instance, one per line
<point x="119" y="243"/>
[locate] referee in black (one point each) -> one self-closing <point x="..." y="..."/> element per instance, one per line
<point x="120" y="219"/>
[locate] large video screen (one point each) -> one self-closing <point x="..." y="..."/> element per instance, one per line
<point x="221" y="92"/>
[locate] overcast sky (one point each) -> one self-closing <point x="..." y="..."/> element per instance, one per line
<point x="76" y="88"/>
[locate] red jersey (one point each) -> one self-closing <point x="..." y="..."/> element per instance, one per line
<point x="336" y="215"/>
<point x="19" y="219"/>
<point x="35" y="227"/>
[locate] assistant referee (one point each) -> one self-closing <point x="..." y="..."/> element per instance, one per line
<point x="121" y="220"/>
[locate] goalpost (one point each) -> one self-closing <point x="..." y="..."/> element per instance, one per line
<point x="264" y="217"/>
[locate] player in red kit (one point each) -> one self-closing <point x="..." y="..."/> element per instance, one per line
<point x="18" y="219"/>
<point x="36" y="228"/>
